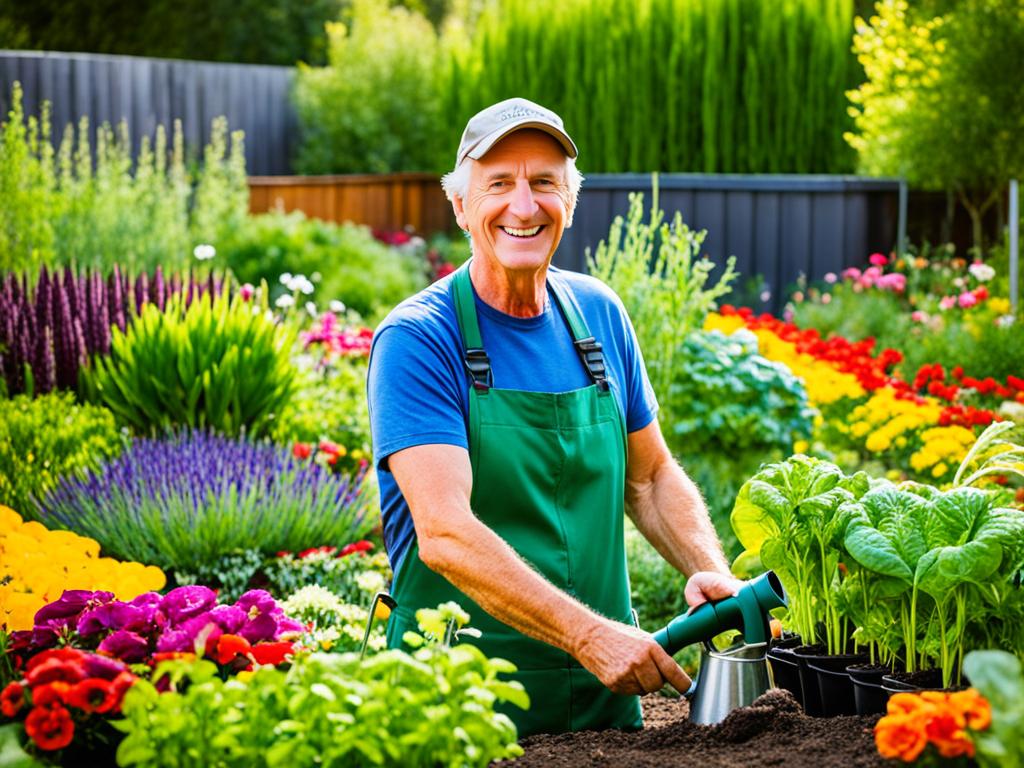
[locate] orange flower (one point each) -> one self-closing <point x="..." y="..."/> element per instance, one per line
<point x="973" y="707"/>
<point x="945" y="729"/>
<point x="271" y="653"/>
<point x="901" y="735"/>
<point x="906" y="703"/>
<point x="230" y="646"/>
<point x="50" y="727"/>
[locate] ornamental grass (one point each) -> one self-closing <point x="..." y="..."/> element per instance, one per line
<point x="185" y="500"/>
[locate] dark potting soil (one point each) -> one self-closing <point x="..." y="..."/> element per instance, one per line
<point x="773" y="731"/>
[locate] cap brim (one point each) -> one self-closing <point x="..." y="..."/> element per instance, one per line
<point x="483" y="146"/>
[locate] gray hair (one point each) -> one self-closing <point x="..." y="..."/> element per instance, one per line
<point x="456" y="182"/>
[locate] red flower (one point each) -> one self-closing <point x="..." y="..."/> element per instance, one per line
<point x="50" y="727"/>
<point x="328" y="447"/>
<point x="356" y="546"/>
<point x="93" y="695"/>
<point x="981" y="293"/>
<point x="12" y="699"/>
<point x="50" y="694"/>
<point x="53" y="670"/>
<point x="231" y="646"/>
<point x="271" y="653"/>
<point x="302" y="450"/>
<point x="61" y="654"/>
<point x="958" y="372"/>
<point x="1016" y="383"/>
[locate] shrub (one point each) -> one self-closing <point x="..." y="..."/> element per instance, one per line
<point x="346" y="262"/>
<point x="734" y="86"/>
<point x="375" y="107"/>
<point x="183" y="502"/>
<point x="48" y="331"/>
<point x="137" y="211"/>
<point x="220" y="364"/>
<point x="46" y="439"/>
<point x="655" y="270"/>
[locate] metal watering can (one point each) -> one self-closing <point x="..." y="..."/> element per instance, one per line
<point x="737" y="675"/>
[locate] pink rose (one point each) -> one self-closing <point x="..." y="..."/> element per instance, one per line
<point x="878" y="259"/>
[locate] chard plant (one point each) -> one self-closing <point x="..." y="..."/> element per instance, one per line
<point x="786" y="517"/>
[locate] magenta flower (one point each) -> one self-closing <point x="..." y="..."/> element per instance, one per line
<point x="851" y="274"/>
<point x="878" y="259"/>
<point x="127" y="646"/>
<point x="247" y="291"/>
<point x="967" y="299"/>
<point x="229" y="618"/>
<point x="102" y="667"/>
<point x="183" y="603"/>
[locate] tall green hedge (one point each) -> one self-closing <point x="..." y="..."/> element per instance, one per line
<point x="714" y="86"/>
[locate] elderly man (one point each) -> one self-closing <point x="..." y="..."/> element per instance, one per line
<point x="513" y="426"/>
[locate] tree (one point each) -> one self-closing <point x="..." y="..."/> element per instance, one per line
<point x="942" y="104"/>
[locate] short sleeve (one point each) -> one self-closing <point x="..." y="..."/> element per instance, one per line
<point x="415" y="393"/>
<point x="641" y="403"/>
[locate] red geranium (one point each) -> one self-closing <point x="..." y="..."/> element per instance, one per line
<point x="12" y="699"/>
<point x="50" y="727"/>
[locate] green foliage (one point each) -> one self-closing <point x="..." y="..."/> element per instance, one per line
<point x="220" y="364"/>
<point x="335" y="625"/>
<point x="736" y="86"/>
<point x="44" y="439"/>
<point x="937" y="106"/>
<point x="376" y="106"/>
<point x="999" y="677"/>
<point x="434" y="707"/>
<point x="786" y="517"/>
<point x="345" y="260"/>
<point x="135" y="211"/>
<point x="354" y="577"/>
<point x="654" y="268"/>
<point x="229" y="573"/>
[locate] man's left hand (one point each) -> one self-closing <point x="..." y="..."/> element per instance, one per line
<point x="705" y="586"/>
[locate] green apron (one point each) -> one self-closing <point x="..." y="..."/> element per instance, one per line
<point x="548" y="477"/>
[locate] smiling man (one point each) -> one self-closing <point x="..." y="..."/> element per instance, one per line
<point x="513" y="427"/>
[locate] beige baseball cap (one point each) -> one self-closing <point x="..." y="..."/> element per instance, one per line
<point x="487" y="127"/>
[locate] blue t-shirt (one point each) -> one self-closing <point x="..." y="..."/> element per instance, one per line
<point x="418" y="386"/>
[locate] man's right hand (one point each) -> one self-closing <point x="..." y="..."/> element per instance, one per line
<point x="627" y="660"/>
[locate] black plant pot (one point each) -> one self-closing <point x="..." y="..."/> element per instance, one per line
<point x="834" y="684"/>
<point x="811" y="695"/>
<point x="868" y="696"/>
<point x="785" y="668"/>
<point x="903" y="682"/>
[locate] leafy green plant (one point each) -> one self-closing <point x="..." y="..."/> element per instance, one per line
<point x="230" y="573"/>
<point x="97" y="206"/>
<point x="345" y="261"/>
<point x="655" y="269"/>
<point x="354" y="576"/>
<point x="218" y="364"/>
<point x="999" y="677"/>
<point x="45" y="439"/>
<point x="334" y="624"/>
<point x="375" y="107"/>
<point x="432" y="707"/>
<point x="786" y="518"/>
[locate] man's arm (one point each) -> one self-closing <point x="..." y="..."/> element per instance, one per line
<point x="668" y="510"/>
<point x="436" y="481"/>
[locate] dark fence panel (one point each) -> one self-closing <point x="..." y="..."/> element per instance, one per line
<point x="151" y="92"/>
<point x="778" y="227"/>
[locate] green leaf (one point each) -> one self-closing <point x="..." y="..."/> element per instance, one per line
<point x="12" y="755"/>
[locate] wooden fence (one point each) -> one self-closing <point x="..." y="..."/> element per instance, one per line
<point x="149" y="92"/>
<point x="385" y="201"/>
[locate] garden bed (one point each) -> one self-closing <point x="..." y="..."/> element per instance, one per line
<point x="773" y="731"/>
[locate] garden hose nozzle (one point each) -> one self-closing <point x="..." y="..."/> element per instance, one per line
<point x="381" y="607"/>
<point x="747" y="612"/>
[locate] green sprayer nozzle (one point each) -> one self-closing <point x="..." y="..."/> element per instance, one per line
<point x="747" y="612"/>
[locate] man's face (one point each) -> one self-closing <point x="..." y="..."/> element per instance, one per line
<point x="518" y="201"/>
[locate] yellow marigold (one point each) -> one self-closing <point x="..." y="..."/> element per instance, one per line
<point x="939" y="470"/>
<point x="727" y="325"/>
<point x="877" y="442"/>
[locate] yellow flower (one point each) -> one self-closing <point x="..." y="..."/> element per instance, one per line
<point x="939" y="470"/>
<point x="801" y="446"/>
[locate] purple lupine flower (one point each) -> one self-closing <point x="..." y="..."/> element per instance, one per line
<point x="183" y="603"/>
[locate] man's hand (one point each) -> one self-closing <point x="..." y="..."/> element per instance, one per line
<point x="705" y="586"/>
<point x="628" y="660"/>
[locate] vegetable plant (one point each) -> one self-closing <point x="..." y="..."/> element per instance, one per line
<point x="786" y="518"/>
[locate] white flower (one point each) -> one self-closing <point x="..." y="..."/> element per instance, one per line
<point x="981" y="272"/>
<point x="1005" y="321"/>
<point x="1012" y="411"/>
<point x="285" y="278"/>
<point x="766" y="296"/>
<point x="285" y="301"/>
<point x="311" y="308"/>
<point x="370" y="581"/>
<point x="204" y="251"/>
<point x="337" y="307"/>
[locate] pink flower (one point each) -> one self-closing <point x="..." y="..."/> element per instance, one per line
<point x="894" y="281"/>
<point x="830" y="277"/>
<point x="967" y="299"/>
<point x="947" y="302"/>
<point x="246" y="291"/>
<point x="851" y="274"/>
<point x="878" y="259"/>
<point x="919" y="316"/>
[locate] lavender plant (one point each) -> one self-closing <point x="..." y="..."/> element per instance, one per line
<point x="50" y="329"/>
<point x="183" y="501"/>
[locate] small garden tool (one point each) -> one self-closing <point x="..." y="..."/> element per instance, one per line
<point x="382" y="606"/>
<point x="738" y="675"/>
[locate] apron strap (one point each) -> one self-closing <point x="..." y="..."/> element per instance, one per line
<point x="476" y="360"/>
<point x="479" y="364"/>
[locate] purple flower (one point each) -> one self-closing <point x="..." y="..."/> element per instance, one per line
<point x="147" y="600"/>
<point x="116" y="615"/>
<point x="263" y="627"/>
<point x="259" y="599"/>
<point x="183" y="603"/>
<point x="69" y="605"/>
<point x="120" y="644"/>
<point x="184" y="636"/>
<point x="229" y="618"/>
<point x="286" y="625"/>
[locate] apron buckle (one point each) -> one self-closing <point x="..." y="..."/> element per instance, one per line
<point x="479" y="367"/>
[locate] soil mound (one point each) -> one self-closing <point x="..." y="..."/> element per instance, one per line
<point x="773" y="731"/>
